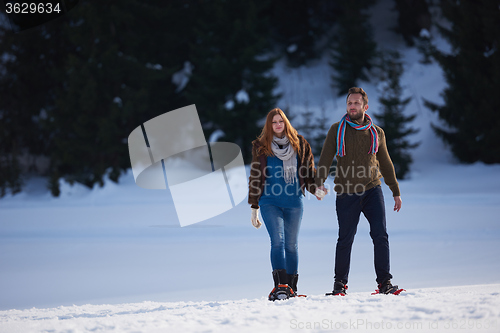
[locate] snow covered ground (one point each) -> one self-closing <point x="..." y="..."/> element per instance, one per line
<point x="451" y="309"/>
<point x="116" y="259"/>
<point x="122" y="246"/>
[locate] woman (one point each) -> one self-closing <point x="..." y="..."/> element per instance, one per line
<point x="282" y="167"/>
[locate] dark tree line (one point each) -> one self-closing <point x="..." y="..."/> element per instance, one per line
<point x="472" y="70"/>
<point x="72" y="90"/>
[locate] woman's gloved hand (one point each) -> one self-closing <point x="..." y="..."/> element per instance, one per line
<point x="255" y="218"/>
<point x="320" y="192"/>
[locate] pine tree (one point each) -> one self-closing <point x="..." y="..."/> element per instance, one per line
<point x="231" y="84"/>
<point x="10" y="173"/>
<point x="322" y="126"/>
<point x="86" y="80"/>
<point x="413" y="16"/>
<point x="391" y="116"/>
<point x="307" y="126"/>
<point x="353" y="47"/>
<point x="296" y="27"/>
<point x="314" y="129"/>
<point x="472" y="71"/>
<point x="26" y="89"/>
<point x="117" y="74"/>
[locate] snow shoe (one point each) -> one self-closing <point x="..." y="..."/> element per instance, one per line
<point x="387" y="288"/>
<point x="281" y="290"/>
<point x="339" y="289"/>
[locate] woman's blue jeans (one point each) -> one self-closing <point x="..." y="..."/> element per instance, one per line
<point x="283" y="226"/>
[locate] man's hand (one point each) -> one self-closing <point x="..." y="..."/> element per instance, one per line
<point x="397" y="203"/>
<point x="320" y="193"/>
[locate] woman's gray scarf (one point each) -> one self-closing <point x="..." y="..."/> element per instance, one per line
<point x="289" y="157"/>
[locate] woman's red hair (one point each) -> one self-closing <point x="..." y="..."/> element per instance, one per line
<point x="266" y="136"/>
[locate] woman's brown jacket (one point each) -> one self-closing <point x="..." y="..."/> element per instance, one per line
<point x="305" y="167"/>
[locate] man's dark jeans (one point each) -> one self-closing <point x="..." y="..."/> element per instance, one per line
<point x="349" y="208"/>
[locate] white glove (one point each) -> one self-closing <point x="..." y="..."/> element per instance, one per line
<point x="255" y="218"/>
<point x="320" y="193"/>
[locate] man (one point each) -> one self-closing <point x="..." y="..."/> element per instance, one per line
<point x="362" y="159"/>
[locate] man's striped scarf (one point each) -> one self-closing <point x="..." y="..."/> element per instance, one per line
<point x="341" y="134"/>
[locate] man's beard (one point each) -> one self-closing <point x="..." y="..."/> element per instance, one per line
<point x="357" y="116"/>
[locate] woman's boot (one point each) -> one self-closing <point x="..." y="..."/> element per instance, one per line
<point x="281" y="290"/>
<point x="292" y="283"/>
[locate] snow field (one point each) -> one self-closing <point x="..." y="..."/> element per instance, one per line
<point x="449" y="309"/>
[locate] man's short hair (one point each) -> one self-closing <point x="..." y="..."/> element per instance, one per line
<point x="357" y="90"/>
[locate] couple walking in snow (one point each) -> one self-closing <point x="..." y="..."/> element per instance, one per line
<point x="283" y="168"/>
